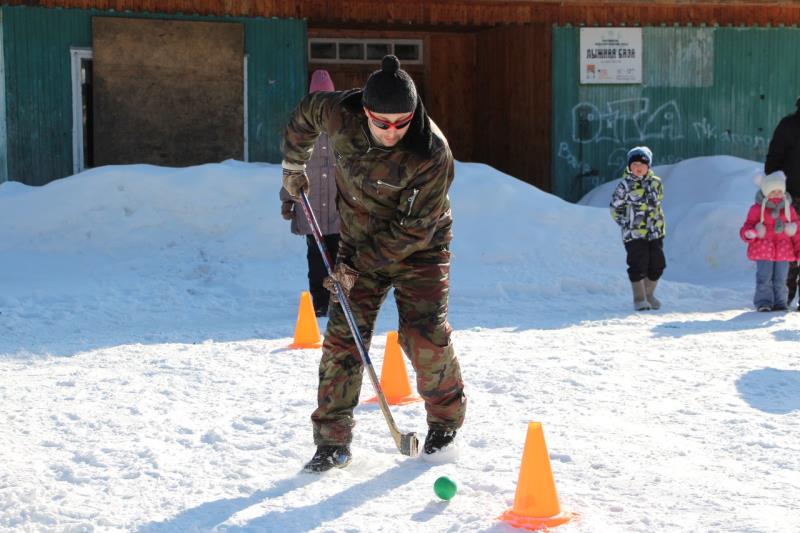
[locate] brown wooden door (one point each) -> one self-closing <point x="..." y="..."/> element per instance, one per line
<point x="167" y="92"/>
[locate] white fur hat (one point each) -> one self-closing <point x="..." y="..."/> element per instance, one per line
<point x="772" y="182"/>
<point x="775" y="182"/>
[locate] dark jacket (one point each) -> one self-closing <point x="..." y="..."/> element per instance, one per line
<point x="392" y="201"/>
<point x="321" y="171"/>
<point x="784" y="152"/>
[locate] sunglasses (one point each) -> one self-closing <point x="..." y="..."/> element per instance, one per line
<point x="385" y="124"/>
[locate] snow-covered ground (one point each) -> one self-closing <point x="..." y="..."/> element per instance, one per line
<point x="146" y="384"/>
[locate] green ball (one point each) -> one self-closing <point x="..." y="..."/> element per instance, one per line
<point x="445" y="488"/>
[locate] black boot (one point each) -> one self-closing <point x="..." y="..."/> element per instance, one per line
<point x="327" y="457"/>
<point x="438" y="439"/>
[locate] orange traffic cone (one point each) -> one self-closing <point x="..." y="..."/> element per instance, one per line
<point x="306" y="332"/>
<point x="536" y="501"/>
<point x="394" y="378"/>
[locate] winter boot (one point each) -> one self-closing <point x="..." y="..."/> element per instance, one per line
<point x="327" y="457"/>
<point x="649" y="289"/>
<point x="438" y="439"/>
<point x="639" y="296"/>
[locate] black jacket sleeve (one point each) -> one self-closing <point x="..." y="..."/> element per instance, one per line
<point x="784" y="140"/>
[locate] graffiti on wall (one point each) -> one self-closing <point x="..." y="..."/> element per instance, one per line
<point x="572" y="161"/>
<point x="637" y="121"/>
<point x="623" y="123"/>
<point x="626" y="122"/>
<point x="705" y="130"/>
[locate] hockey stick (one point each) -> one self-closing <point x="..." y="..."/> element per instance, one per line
<point x="407" y="443"/>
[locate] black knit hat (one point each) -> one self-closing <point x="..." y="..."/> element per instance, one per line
<point x="390" y="89"/>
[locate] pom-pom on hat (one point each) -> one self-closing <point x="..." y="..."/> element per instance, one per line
<point x="642" y="154"/>
<point x="321" y="81"/>
<point x="390" y="89"/>
<point x="772" y="182"/>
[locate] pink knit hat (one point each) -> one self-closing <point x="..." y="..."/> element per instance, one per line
<point x="321" y="81"/>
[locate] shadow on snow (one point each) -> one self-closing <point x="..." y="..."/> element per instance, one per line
<point x="771" y="390"/>
<point x="292" y="518"/>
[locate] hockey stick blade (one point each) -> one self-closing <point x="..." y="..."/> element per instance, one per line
<point x="409" y="444"/>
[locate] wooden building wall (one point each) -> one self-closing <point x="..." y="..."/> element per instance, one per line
<point x="452" y="93"/>
<point x="486" y="77"/>
<point x="513" y="114"/>
<point x="469" y="12"/>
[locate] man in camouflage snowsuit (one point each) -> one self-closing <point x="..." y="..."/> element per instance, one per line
<point x="394" y="169"/>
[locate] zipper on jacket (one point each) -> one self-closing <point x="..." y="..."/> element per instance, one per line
<point x="410" y="202"/>
<point x="396" y="187"/>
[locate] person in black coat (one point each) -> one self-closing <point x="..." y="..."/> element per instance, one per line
<point x="784" y="154"/>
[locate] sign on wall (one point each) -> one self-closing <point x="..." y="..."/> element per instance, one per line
<point x="611" y="55"/>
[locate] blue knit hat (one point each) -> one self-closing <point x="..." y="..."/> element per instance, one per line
<point x="642" y="154"/>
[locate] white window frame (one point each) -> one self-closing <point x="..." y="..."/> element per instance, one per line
<point x="365" y="42"/>
<point x="76" y="56"/>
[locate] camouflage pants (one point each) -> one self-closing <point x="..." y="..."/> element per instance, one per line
<point x="421" y="288"/>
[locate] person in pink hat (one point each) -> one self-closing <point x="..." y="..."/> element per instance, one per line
<point x="322" y="197"/>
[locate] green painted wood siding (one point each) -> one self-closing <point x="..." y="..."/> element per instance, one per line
<point x="36" y="46"/>
<point x="38" y="91"/>
<point x="3" y="137"/>
<point x="705" y="91"/>
<point x="277" y="81"/>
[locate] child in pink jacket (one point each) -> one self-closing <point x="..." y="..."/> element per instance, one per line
<point x="770" y="232"/>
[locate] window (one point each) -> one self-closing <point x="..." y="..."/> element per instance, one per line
<point x="406" y="52"/>
<point x="321" y="51"/>
<point x="324" y="50"/>
<point x="354" y="51"/>
<point x="376" y="51"/>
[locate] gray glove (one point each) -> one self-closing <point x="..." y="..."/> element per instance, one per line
<point x="295" y="181"/>
<point x="345" y="275"/>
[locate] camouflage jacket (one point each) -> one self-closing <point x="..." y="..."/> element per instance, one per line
<point x="636" y="207"/>
<point x="392" y="202"/>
